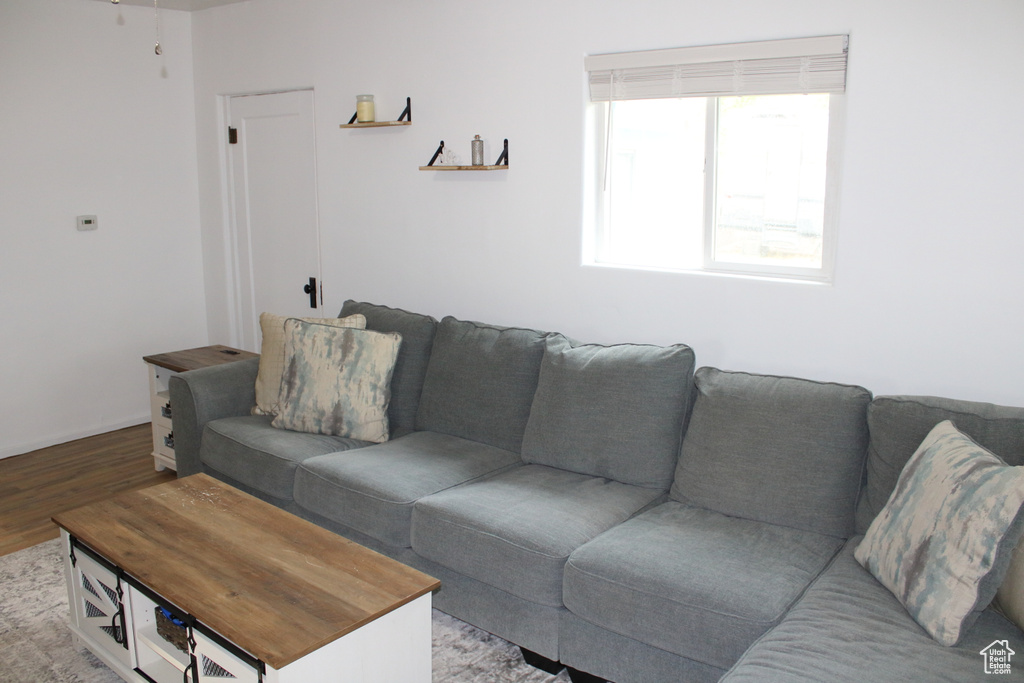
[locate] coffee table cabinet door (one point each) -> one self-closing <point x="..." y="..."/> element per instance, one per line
<point x="217" y="665"/>
<point x="99" y="608"/>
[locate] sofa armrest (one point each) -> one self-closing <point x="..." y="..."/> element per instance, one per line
<point x="199" y="396"/>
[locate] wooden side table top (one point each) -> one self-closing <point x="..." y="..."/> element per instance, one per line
<point x="204" y="356"/>
<point x="274" y="584"/>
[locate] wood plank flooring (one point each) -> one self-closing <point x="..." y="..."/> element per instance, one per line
<point x="37" y="485"/>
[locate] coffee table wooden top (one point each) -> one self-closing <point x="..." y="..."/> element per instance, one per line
<point x="274" y="584"/>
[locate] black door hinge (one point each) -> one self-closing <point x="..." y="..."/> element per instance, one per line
<point x="232" y="136"/>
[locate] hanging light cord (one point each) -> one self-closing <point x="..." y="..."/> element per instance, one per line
<point x="156" y="20"/>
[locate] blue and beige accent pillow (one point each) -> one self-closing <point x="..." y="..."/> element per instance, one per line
<point x="268" y="377"/>
<point x="337" y="380"/>
<point x="943" y="542"/>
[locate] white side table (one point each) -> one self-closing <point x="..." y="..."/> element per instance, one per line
<point x="162" y="367"/>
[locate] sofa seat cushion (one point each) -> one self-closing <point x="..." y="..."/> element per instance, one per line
<point x="515" y="530"/>
<point x="251" y="451"/>
<point x="849" y="629"/>
<point x="374" y="493"/>
<point x="694" y="582"/>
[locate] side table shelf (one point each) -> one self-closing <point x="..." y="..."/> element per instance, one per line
<point x="162" y="367"/>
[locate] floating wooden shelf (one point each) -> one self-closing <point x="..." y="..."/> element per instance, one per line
<point x="500" y="165"/>
<point x="406" y="115"/>
<point x="503" y="167"/>
<point x="375" y="124"/>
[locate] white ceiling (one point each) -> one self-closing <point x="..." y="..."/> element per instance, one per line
<point x="186" y="5"/>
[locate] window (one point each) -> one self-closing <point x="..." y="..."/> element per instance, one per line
<point x="698" y="161"/>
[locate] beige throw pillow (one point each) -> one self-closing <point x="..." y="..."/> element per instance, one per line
<point x="268" y="379"/>
<point x="1010" y="596"/>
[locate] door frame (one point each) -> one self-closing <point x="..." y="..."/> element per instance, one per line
<point x="232" y="233"/>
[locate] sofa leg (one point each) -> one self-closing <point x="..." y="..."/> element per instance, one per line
<point x="577" y="676"/>
<point x="541" y="662"/>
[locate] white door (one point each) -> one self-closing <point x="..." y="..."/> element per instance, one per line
<point x="272" y="185"/>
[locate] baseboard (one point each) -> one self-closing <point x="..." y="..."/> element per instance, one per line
<point x="55" y="439"/>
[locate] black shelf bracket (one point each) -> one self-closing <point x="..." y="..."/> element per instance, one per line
<point x="440" y="148"/>
<point x="504" y="156"/>
<point x="406" y="114"/>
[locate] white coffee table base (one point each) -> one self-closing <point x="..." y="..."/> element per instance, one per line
<point x="393" y="647"/>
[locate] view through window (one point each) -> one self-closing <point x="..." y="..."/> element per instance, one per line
<point x="738" y="183"/>
<point x="716" y="182"/>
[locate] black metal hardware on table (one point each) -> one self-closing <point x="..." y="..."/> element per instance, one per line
<point x="191" y="672"/>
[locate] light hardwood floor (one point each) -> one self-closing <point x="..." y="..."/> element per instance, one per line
<point x="37" y="485"/>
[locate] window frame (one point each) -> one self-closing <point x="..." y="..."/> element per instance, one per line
<point x="830" y="222"/>
<point x="598" y="131"/>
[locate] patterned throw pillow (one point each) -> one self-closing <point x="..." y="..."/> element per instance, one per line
<point x="337" y="380"/>
<point x="268" y="378"/>
<point x="943" y="541"/>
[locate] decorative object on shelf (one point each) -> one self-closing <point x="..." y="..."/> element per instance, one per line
<point x="478" y="151"/>
<point x="364" y="109"/>
<point x="500" y="165"/>
<point x="449" y="157"/>
<point x="404" y="119"/>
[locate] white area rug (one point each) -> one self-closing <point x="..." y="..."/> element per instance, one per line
<point x="35" y="643"/>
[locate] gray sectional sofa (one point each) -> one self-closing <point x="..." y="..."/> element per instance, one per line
<point x="613" y="509"/>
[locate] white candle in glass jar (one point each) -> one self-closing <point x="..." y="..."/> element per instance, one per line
<point x="364" y="109"/>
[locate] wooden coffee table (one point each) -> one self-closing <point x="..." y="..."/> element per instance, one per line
<point x="260" y="594"/>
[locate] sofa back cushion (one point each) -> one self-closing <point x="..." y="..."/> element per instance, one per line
<point x="611" y="411"/>
<point x="417" y="333"/>
<point x="775" y="449"/>
<point x="480" y="382"/>
<point x="898" y="425"/>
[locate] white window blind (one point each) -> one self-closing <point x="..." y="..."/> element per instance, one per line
<point x="800" y="65"/>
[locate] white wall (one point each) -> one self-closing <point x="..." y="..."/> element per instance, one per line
<point x="928" y="278"/>
<point x="92" y="122"/>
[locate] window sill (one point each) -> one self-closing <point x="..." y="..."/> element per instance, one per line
<point x="820" y="281"/>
